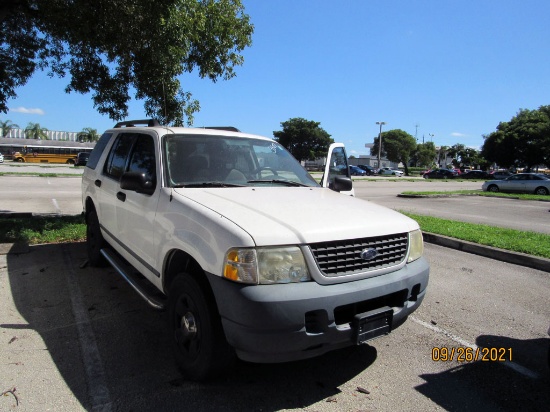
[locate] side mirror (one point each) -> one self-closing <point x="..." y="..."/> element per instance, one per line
<point x="342" y="184"/>
<point x="337" y="176"/>
<point x="137" y="182"/>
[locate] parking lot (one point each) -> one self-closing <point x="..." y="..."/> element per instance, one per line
<point x="76" y="338"/>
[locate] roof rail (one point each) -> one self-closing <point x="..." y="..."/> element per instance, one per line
<point x="228" y="128"/>
<point x="133" y="123"/>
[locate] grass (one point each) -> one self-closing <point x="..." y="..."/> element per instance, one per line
<point x="38" y="230"/>
<point x="40" y="174"/>
<point x="532" y="243"/>
<point x="61" y="229"/>
<point x="522" y="196"/>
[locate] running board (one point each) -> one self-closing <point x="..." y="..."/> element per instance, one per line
<point x="116" y="263"/>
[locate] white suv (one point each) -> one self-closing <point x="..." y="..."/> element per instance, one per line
<point x="251" y="257"/>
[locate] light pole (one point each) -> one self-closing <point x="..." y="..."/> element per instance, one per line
<point x="380" y="143"/>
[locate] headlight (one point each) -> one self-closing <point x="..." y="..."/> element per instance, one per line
<point x="416" y="245"/>
<point x="266" y="265"/>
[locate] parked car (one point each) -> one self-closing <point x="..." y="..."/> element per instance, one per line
<point x="499" y="175"/>
<point x="1" y="158"/>
<point x="440" y="174"/>
<point x="369" y="169"/>
<point x="390" y="171"/>
<point x="356" y="171"/>
<point x="82" y="159"/>
<point x="475" y="174"/>
<point x="520" y="183"/>
<point x="216" y="227"/>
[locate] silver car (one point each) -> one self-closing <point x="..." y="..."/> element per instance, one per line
<point x="538" y="184"/>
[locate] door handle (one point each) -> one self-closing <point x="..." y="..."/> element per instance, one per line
<point x="98" y="183"/>
<point x="121" y="196"/>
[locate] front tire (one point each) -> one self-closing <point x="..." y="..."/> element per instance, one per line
<point x="94" y="241"/>
<point x="493" y="188"/>
<point x="199" y="343"/>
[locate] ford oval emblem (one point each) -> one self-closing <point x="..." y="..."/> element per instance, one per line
<point x="369" y="254"/>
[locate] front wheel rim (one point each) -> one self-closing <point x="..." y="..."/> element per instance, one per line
<point x="186" y="332"/>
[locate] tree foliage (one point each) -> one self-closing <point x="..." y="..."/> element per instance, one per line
<point x="88" y="135"/>
<point x="110" y="47"/>
<point x="466" y="156"/>
<point x="305" y="139"/>
<point x="425" y="154"/>
<point x="35" y="131"/>
<point x="524" y="141"/>
<point x="397" y="146"/>
<point x="6" y="126"/>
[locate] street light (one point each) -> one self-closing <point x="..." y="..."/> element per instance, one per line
<point x="380" y="142"/>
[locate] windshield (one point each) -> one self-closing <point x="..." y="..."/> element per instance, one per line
<point x="222" y="161"/>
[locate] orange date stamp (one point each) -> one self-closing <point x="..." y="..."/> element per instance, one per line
<point x="469" y="354"/>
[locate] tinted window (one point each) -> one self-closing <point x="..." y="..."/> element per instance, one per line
<point x="142" y="159"/>
<point x="116" y="162"/>
<point x="98" y="150"/>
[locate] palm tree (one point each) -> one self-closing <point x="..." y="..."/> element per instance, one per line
<point x="35" y="131"/>
<point x="88" y="135"/>
<point x="7" y="126"/>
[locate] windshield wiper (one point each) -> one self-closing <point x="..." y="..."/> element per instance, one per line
<point x="280" y="181"/>
<point x="210" y="184"/>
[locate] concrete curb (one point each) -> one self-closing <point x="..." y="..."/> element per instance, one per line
<point x="521" y="259"/>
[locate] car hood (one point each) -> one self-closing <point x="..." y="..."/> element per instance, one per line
<point x="299" y="215"/>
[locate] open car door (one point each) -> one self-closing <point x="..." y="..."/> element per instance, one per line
<point x="336" y="175"/>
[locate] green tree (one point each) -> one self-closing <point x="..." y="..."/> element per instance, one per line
<point x="425" y="154"/>
<point x="109" y="47"/>
<point x="88" y="135"/>
<point x="7" y="126"/>
<point x="398" y="146"/>
<point x="524" y="141"/>
<point x="305" y="139"/>
<point x="35" y="131"/>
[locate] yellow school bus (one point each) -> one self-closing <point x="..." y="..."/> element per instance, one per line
<point x="48" y="154"/>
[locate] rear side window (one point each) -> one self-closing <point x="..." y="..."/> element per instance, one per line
<point x="98" y="150"/>
<point x="142" y="159"/>
<point x="116" y="161"/>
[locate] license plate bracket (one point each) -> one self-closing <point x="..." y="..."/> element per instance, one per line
<point x="372" y="324"/>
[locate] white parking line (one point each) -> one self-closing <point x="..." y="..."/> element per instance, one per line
<point x="512" y="365"/>
<point x="96" y="378"/>
<point x="56" y="206"/>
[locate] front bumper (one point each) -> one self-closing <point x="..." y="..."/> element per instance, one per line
<point x="279" y="323"/>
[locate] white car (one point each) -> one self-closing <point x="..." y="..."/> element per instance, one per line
<point x="390" y="171"/>
<point x="1" y="158"/>
<point x="251" y="257"/>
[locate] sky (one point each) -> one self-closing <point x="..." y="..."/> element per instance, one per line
<point x="446" y="71"/>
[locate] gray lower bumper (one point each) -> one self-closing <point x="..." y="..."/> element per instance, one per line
<point x="279" y="323"/>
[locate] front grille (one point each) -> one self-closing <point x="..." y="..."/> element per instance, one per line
<point x="343" y="257"/>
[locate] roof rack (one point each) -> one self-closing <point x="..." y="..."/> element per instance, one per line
<point x="133" y="123"/>
<point x="228" y="128"/>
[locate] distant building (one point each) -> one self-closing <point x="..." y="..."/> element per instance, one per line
<point x="52" y="135"/>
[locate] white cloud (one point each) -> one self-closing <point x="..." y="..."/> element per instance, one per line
<point x="457" y="134"/>
<point x="28" y="111"/>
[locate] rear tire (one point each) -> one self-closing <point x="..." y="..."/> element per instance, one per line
<point x="200" y="347"/>
<point x="541" y="191"/>
<point x="94" y="241"/>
